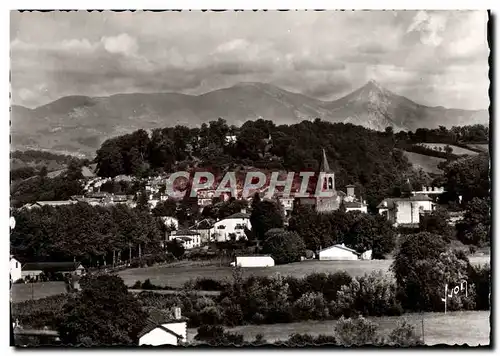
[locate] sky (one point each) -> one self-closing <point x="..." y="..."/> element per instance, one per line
<point x="435" y="58"/>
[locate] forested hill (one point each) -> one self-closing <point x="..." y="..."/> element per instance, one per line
<point x="358" y="155"/>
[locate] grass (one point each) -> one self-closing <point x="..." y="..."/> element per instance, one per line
<point x="469" y="327"/>
<point x="428" y="164"/>
<point x="175" y="276"/>
<point x="23" y="292"/>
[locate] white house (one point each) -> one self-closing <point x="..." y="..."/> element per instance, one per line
<point x="338" y="253"/>
<point x="189" y="239"/>
<point x="406" y="210"/>
<point x="255" y="261"/>
<point x="164" y="329"/>
<point x="15" y="269"/>
<point x="233" y="224"/>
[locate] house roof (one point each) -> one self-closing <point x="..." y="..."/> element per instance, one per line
<point x="238" y="216"/>
<point x="185" y="233"/>
<point x="342" y="247"/>
<point x="156" y="319"/>
<point x="59" y="266"/>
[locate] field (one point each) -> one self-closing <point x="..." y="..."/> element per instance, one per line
<point x="470" y="327"/>
<point x="22" y="292"/>
<point x="428" y="164"/>
<point x="481" y="146"/>
<point x="176" y="275"/>
<point x="456" y="150"/>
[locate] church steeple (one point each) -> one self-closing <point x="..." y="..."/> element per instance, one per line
<point x="325" y="167"/>
<point x="328" y="175"/>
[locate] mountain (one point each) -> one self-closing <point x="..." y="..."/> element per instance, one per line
<point x="79" y="124"/>
<point x="375" y="107"/>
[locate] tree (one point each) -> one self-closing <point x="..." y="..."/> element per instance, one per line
<point x="476" y="225"/>
<point x="283" y="246"/>
<point x="422" y="267"/>
<point x="265" y="216"/>
<point x="176" y="248"/>
<point x="437" y="223"/>
<point x="165" y="208"/>
<point x="142" y="201"/>
<point x="104" y="313"/>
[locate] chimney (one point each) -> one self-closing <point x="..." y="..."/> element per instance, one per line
<point x="177" y="313"/>
<point x="244" y="211"/>
<point x="350" y="190"/>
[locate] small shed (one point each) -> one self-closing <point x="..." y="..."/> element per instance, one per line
<point x="255" y="261"/>
<point x="338" y="253"/>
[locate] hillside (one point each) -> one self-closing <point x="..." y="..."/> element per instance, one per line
<point x="79" y="124"/>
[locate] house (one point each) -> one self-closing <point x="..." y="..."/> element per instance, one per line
<point x="53" y="203"/>
<point x="338" y="253"/>
<point x="254" y="261"/>
<point x="233" y="224"/>
<point x="15" y="269"/>
<point x="163" y="328"/>
<point x="406" y="210"/>
<point x="352" y="203"/>
<point x="189" y="239"/>
<point x="34" y="269"/>
<point x="205" y="228"/>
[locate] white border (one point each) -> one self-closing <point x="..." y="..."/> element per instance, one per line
<point x="185" y="4"/>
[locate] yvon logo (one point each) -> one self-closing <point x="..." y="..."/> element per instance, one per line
<point x="450" y="292"/>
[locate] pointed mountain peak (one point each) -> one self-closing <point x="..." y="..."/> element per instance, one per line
<point x="373" y="84"/>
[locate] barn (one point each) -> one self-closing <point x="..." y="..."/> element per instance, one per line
<point x="338" y="253"/>
<point x="255" y="261"/>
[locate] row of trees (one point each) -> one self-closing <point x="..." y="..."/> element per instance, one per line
<point x="89" y="234"/>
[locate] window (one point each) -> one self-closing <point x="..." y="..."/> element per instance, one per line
<point x="17" y="264"/>
<point x="221" y="227"/>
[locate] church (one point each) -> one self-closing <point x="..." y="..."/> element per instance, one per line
<point x="326" y="180"/>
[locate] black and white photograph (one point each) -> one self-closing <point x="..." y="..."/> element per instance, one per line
<point x="250" y="178"/>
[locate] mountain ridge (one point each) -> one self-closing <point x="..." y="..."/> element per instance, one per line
<point x="79" y="123"/>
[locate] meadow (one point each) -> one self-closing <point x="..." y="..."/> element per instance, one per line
<point x="175" y="275"/>
<point x="428" y="164"/>
<point x="462" y="327"/>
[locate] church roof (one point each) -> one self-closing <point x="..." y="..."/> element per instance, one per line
<point x="325" y="167"/>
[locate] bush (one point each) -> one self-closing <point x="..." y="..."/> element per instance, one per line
<point x="359" y="331"/>
<point x="309" y="340"/>
<point x="373" y="294"/>
<point x="215" y="335"/>
<point x="404" y="335"/>
<point x="311" y="305"/>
